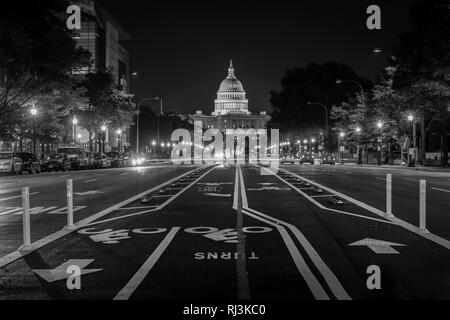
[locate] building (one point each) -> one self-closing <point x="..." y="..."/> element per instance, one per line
<point x="104" y="37"/>
<point x="231" y="108"/>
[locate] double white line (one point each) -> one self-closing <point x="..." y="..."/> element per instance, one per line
<point x="313" y="283"/>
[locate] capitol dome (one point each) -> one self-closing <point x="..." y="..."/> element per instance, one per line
<point x="231" y="96"/>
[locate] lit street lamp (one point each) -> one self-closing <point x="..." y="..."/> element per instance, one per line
<point x="380" y="127"/>
<point x="74" y="129"/>
<point x="342" y="136"/>
<point x="411" y="119"/>
<point x="119" y="140"/>
<point x="103" y="138"/>
<point x="34" y="113"/>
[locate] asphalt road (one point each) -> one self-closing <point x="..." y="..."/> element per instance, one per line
<point x="230" y="233"/>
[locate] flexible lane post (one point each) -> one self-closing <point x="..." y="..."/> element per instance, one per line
<point x="26" y="217"/>
<point x="389" y="195"/>
<point x="423" y="206"/>
<point x="70" y="224"/>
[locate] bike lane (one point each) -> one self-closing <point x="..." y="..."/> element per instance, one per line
<point x="350" y="240"/>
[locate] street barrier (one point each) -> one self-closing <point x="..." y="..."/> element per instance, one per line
<point x="423" y="206"/>
<point x="70" y="224"/>
<point x="26" y="218"/>
<point x="389" y="195"/>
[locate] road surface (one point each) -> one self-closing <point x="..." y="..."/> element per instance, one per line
<point x="229" y="233"/>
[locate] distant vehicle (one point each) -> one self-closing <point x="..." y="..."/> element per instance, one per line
<point x="57" y="162"/>
<point x="30" y="162"/>
<point x="328" y="158"/>
<point x="10" y="163"/>
<point x="116" y="159"/>
<point x="101" y="161"/>
<point x="307" y="157"/>
<point x="287" y="158"/>
<point x="137" y="161"/>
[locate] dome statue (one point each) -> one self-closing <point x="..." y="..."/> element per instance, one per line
<point x="231" y="96"/>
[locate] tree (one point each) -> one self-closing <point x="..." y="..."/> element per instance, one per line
<point x="423" y="54"/>
<point x="36" y="51"/>
<point x="314" y="83"/>
<point x="105" y="104"/>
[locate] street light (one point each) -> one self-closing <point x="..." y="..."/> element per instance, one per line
<point x="119" y="140"/>
<point x="34" y="113"/>
<point x="380" y="126"/>
<point x="74" y="129"/>
<point x="326" y="112"/>
<point x="342" y="135"/>
<point x="103" y="128"/>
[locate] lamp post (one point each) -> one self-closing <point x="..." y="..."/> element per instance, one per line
<point x="119" y="140"/>
<point x="103" y="138"/>
<point x="358" y="130"/>
<point x="342" y="136"/>
<point x="74" y="128"/>
<point x="414" y="139"/>
<point x="380" y="126"/>
<point x="33" y="114"/>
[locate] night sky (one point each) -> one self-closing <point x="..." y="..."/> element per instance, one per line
<point x="182" y="49"/>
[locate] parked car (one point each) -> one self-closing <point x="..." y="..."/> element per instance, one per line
<point x="10" y="163"/>
<point x="57" y="162"/>
<point x="287" y="158"/>
<point x="30" y="162"/>
<point x="116" y="159"/>
<point x="101" y="161"/>
<point x="328" y="158"/>
<point x="79" y="158"/>
<point x="307" y="157"/>
<point x="127" y="159"/>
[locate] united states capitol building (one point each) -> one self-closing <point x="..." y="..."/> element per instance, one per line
<point x="231" y="108"/>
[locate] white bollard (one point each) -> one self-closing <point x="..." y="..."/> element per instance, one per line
<point x="70" y="204"/>
<point x="423" y="206"/>
<point x="26" y="217"/>
<point x="389" y="195"/>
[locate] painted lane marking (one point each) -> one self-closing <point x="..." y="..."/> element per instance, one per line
<point x="39" y="210"/>
<point x="124" y="174"/>
<point x="309" y="198"/>
<point x="378" y="246"/>
<point x="66" y="175"/>
<point x="18" y="254"/>
<point x="136" y="208"/>
<point x="382" y="179"/>
<point x="406" y="225"/>
<point x="89" y="181"/>
<point x="219" y="195"/>
<point x="313" y="283"/>
<point x="140" y="275"/>
<point x="443" y="190"/>
<point x="323" y="196"/>
<point x="16" y="197"/>
<point x="88" y="193"/>
<point x="331" y="279"/>
<point x="241" y="262"/>
<point x="60" y="272"/>
<point x="162" y="206"/>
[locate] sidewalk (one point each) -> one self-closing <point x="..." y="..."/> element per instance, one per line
<point x="400" y="167"/>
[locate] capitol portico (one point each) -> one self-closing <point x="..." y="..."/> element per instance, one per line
<point x="231" y="108"/>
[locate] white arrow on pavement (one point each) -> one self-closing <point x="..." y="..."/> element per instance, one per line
<point x="88" y="193"/>
<point x="60" y="272"/>
<point x="378" y="246"/>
